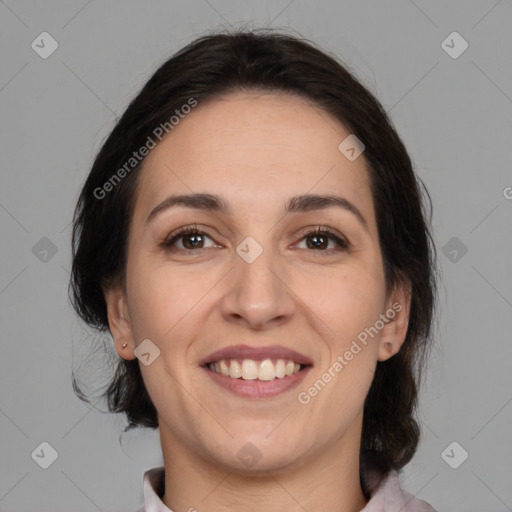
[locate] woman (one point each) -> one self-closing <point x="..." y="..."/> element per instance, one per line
<point x="254" y="238"/>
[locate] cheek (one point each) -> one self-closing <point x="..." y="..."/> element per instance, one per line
<point x="163" y="299"/>
<point x="349" y="302"/>
<point x="346" y="300"/>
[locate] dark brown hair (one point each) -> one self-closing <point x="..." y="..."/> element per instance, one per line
<point x="217" y="64"/>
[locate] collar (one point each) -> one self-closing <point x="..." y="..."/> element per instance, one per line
<point x="386" y="497"/>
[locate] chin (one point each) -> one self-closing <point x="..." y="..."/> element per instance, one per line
<point x="258" y="452"/>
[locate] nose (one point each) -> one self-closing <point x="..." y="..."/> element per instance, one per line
<point x="259" y="294"/>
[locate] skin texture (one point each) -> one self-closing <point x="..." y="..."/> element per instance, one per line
<point x="256" y="150"/>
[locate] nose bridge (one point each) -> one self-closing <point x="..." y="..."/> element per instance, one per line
<point x="257" y="292"/>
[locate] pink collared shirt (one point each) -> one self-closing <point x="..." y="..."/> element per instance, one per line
<point x="387" y="497"/>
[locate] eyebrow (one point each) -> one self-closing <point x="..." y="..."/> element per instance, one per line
<point x="296" y="204"/>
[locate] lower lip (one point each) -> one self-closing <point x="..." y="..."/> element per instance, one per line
<point x="258" y="388"/>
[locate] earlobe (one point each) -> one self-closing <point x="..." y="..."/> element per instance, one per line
<point x="395" y="329"/>
<point x="119" y="322"/>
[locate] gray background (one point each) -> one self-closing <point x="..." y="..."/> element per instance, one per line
<point x="454" y="116"/>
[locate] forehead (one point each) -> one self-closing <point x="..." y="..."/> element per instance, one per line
<point x="255" y="149"/>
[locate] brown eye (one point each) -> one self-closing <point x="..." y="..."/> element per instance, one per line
<point x="319" y="239"/>
<point x="186" y="239"/>
<point x="193" y="241"/>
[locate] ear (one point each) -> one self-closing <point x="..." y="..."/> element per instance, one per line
<point x="119" y="321"/>
<point x="396" y="321"/>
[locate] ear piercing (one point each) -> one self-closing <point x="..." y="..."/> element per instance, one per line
<point x="125" y="345"/>
<point x="389" y="346"/>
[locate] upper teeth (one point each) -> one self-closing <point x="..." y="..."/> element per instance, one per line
<point x="251" y="370"/>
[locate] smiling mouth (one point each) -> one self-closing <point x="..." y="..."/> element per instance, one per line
<point x="250" y="369"/>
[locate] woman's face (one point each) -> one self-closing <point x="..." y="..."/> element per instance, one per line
<point x="255" y="285"/>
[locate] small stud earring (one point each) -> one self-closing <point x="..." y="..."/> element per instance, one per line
<point x="389" y="346"/>
<point x="125" y="345"/>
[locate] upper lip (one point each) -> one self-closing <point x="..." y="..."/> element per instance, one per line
<point x="256" y="353"/>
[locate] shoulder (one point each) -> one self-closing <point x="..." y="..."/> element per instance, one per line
<point x="154" y="483"/>
<point x="390" y="497"/>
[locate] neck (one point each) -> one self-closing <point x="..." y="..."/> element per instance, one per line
<point x="327" y="481"/>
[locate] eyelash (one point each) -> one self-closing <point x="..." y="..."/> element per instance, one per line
<point x="342" y="243"/>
